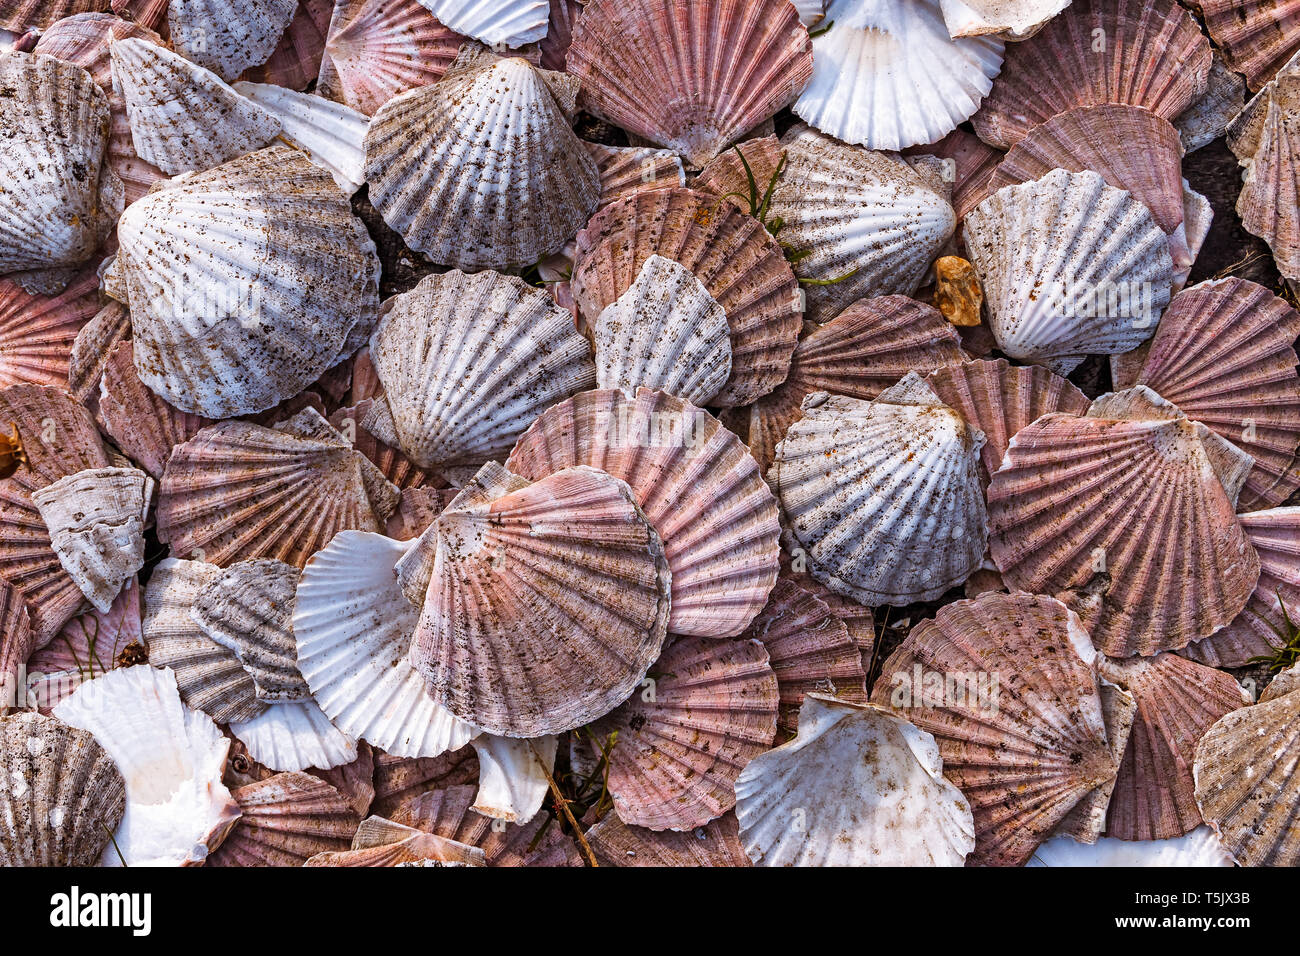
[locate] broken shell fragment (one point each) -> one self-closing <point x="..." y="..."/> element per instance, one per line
<point x="717" y="843"/>
<point x="285" y="819"/>
<point x="225" y="36"/>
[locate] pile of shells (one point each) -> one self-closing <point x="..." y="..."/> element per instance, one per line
<point x="648" y="433"/>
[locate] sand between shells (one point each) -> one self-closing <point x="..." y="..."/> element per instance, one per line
<point x="789" y="434"/>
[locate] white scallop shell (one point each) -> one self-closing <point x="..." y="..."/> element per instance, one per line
<point x="887" y="75"/>
<point x="467" y="363"/>
<point x="228" y="36"/>
<point x="665" y="332"/>
<point x="1201" y="847"/>
<point x="481" y="169"/>
<point x="1010" y="19"/>
<point x="96" y="521"/>
<point x="332" y="134"/>
<point x="1070" y="267"/>
<point x="512" y="776"/>
<point x="244" y="282"/>
<point x="883" y="498"/>
<point x="353" y="627"/>
<point x="182" y="116"/>
<point x="893" y="808"/>
<point x="295" y="737"/>
<point x="177" y="809"/>
<point x="510" y="23"/>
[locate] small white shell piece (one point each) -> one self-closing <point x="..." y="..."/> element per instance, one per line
<point x="295" y="737"/>
<point x="508" y="23"/>
<point x="353" y="627"/>
<point x="177" y="809"/>
<point x="887" y="74"/>
<point x="1070" y="267"/>
<point x="1201" y="847"/>
<point x="512" y="776"/>
<point x="820" y="800"/>
<point x="183" y="117"/>
<point x="666" y="333"/>
<point x="1010" y="19"/>
<point x="332" y="134"/>
<point x="96" y="522"/>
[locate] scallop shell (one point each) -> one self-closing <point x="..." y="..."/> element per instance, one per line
<point x="1070" y="267"/>
<point x="209" y="676"/>
<point x="183" y="117"/>
<point x="248" y="608"/>
<point x="699" y="489"/>
<point x="92" y="348"/>
<point x="717" y="843"/>
<point x="481" y="170"/>
<point x="467" y="362"/>
<point x="377" y="49"/>
<point x="1246" y="782"/>
<point x="820" y="801"/>
<point x="447" y="813"/>
<point x="172" y="758"/>
<point x="693" y="77"/>
<point x="285" y="819"/>
<point x="627" y="170"/>
<point x="96" y="521"/>
<point x="665" y="333"/>
<point x="90" y="645"/>
<point x="1014" y="20"/>
<point x="59" y="439"/>
<point x="1201" y="847"/>
<point x="61" y="794"/>
<point x="238" y="491"/>
<point x="310" y="423"/>
<point x="1072" y="512"/>
<point x="810" y="651"/>
<point x="857" y="618"/>
<point x="974" y="162"/>
<point x="22" y="16"/>
<point x="332" y="134"/>
<point x="1007" y="685"/>
<point x="295" y="736"/>
<point x="509" y="23"/>
<point x="380" y="842"/>
<point x="738" y="261"/>
<point x="143" y="425"/>
<point x="1177" y="702"/>
<point x="1207" y="119"/>
<point x="706" y="709"/>
<point x="884" y="497"/>
<point x="235" y="325"/>
<point x="228" y="36"/>
<point x="1151" y="54"/>
<point x="399" y="780"/>
<point x="1255" y="37"/>
<point x="865" y="349"/>
<point x="16" y="645"/>
<point x="514" y="776"/>
<point x="296" y="61"/>
<point x="1000" y="399"/>
<point x="353" y="627"/>
<point x="1130" y="147"/>
<point x="395" y="467"/>
<point x="1223" y="353"/>
<point x="1282" y="683"/>
<point x="1266" y="141"/>
<point x="865" y="223"/>
<point x="1261" y="629"/>
<point x="61" y="199"/>
<point x="888" y="75"/>
<point x="559" y="34"/>
<point x="37" y="332"/>
<point x="516" y="564"/>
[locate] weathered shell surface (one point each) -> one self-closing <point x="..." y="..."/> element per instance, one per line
<point x="87" y="647"/>
<point x="380" y="842"/>
<point x="37" y="332"/>
<point x="717" y="843"/>
<point x="228" y="36"/>
<point x="519" y="564"/>
<point x="20" y="16"/>
<point x="884" y="497"/>
<point x="295" y="736"/>
<point x="627" y="170"/>
<point x="177" y="809"/>
<point x="692" y="479"/>
<point x="1152" y="54"/>
<point x="285" y="819"/>
<point x="1206" y="120"/>
<point x="296" y="61"/>
<point x="974" y="162"/>
<point x="1012" y="19"/>
<point x="244" y="282"/>
<point x="682" y="741"/>
<point x="1070" y="267"/>
<point x="888" y="75"/>
<point x="892" y="809"/>
<point x="1071" y="513"/>
<point x="690" y="76"/>
<point x="739" y="262"/>
<point x="467" y="362"/>
<point x="16" y="645"/>
<point x="1007" y="685"/>
<point x="1246" y="781"/>
<point x="184" y="117"/>
<point x="1256" y="37"/>
<point x="332" y="134"/>
<point x="481" y="169"/>
<point x="353" y="628"/>
<point x="62" y="795"/>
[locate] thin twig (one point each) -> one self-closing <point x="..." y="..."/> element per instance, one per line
<point x="564" y="806"/>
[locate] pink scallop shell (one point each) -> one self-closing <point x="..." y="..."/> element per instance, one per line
<point x="37" y="332"/>
<point x="717" y="843"/>
<point x="295" y="64"/>
<point x="1256" y="37"/>
<point x="284" y="820"/>
<point x="399" y="779"/>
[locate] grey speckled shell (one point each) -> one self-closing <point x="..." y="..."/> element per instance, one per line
<point x="228" y="36"/>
